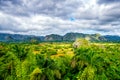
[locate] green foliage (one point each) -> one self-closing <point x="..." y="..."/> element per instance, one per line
<point x="36" y="74"/>
<point x="80" y="42"/>
<point x="53" y="61"/>
<point x="20" y="51"/>
<point x="87" y="74"/>
<point x="102" y="59"/>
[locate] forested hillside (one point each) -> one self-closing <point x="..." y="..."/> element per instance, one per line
<point x="68" y="37"/>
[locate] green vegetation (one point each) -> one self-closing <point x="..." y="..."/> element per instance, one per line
<point x="59" y="61"/>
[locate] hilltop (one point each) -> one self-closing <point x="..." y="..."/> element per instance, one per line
<point x="5" y="37"/>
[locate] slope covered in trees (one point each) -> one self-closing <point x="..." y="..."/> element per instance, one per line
<point x="68" y="37"/>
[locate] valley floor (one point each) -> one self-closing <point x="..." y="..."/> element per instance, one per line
<point x="59" y="61"/>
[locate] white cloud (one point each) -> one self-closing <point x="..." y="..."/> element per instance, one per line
<point x="46" y="17"/>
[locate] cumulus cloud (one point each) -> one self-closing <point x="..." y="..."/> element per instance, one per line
<point x="41" y="17"/>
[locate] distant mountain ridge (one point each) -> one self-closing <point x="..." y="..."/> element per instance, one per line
<point x="5" y="37"/>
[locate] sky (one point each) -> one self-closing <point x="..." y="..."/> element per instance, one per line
<point x="43" y="17"/>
